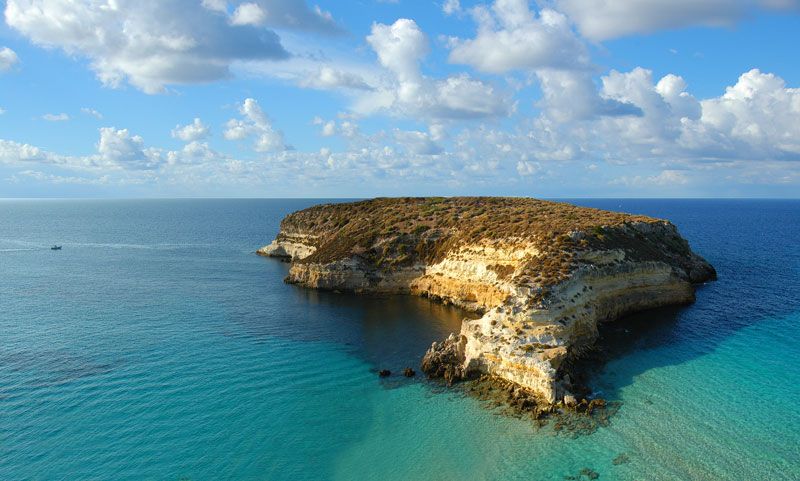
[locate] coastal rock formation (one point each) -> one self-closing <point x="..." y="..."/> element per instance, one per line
<point x="542" y="274"/>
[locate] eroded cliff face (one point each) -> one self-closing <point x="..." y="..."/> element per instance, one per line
<point x="538" y="310"/>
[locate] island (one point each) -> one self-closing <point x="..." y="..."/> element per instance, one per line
<point x="542" y="275"/>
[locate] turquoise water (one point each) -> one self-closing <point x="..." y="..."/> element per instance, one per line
<point x="157" y="346"/>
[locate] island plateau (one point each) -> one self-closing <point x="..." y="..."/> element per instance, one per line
<point x="542" y="275"/>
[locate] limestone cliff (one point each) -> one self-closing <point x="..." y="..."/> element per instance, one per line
<point x="543" y="274"/>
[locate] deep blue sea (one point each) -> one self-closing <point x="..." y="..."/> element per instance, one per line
<point x="157" y="346"/>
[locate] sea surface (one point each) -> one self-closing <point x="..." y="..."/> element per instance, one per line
<point x="157" y="346"/>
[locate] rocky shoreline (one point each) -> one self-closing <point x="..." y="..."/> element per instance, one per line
<point x="543" y="275"/>
<point x="570" y="417"/>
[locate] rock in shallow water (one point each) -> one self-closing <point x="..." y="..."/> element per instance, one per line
<point x="445" y="360"/>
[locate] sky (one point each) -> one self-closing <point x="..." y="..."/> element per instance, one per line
<point x="361" y="98"/>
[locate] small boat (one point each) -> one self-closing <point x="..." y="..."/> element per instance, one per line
<point x="55" y="248"/>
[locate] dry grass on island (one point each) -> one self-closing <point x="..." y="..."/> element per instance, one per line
<point x="395" y="232"/>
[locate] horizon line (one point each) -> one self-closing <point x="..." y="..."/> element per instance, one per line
<point x="5" y="199"/>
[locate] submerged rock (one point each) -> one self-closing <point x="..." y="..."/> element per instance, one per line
<point x="621" y="458"/>
<point x="384" y="373"/>
<point x="408" y="372"/>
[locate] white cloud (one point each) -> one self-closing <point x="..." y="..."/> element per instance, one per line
<point x="345" y="128"/>
<point x="677" y="143"/>
<point x="61" y="179"/>
<point x="327" y="78"/>
<point x="197" y="130"/>
<point x="2" y="110"/>
<point x="571" y="95"/>
<point x="14" y="152"/>
<point x="8" y="58"/>
<point x="437" y="131"/>
<point x="451" y="6"/>
<point x="329" y="128"/>
<point x="616" y="18"/>
<point x="296" y="15"/>
<point x="511" y="37"/>
<point x="662" y="106"/>
<point x="255" y="123"/>
<point x="116" y="150"/>
<point x="94" y="113"/>
<point x="248" y="14"/>
<point x="55" y="117"/>
<point x="665" y="178"/>
<point x="416" y="142"/>
<point x="322" y="66"/>
<point x="400" y="48"/>
<point x="196" y="153"/>
<point x="755" y="120"/>
<point x="526" y="168"/>
<point x="216" y="5"/>
<point x="124" y="43"/>
<point x="120" y="148"/>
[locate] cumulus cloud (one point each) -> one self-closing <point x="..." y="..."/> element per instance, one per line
<point x="400" y="47"/>
<point x="8" y="58"/>
<point x="197" y="130"/>
<point x="62" y="117"/>
<point x="755" y="120"/>
<point x="254" y="123"/>
<point x="124" y="43"/>
<point x="194" y="152"/>
<point x="571" y="95"/>
<point x="677" y="143"/>
<point x="14" y="152"/>
<point x="117" y="149"/>
<point x="616" y="18"/>
<point x="120" y="148"/>
<point x="512" y="37"/>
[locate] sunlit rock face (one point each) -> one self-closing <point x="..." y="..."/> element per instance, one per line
<point x="543" y="274"/>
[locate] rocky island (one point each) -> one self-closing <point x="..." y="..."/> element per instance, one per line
<point x="542" y="274"/>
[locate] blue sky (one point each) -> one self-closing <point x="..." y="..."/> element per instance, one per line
<point x="292" y="98"/>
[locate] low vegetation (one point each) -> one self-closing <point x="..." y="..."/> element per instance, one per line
<point x="392" y="232"/>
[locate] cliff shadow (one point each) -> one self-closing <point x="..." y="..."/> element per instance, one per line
<point x="753" y="246"/>
<point x="669" y="336"/>
<point x="387" y="331"/>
